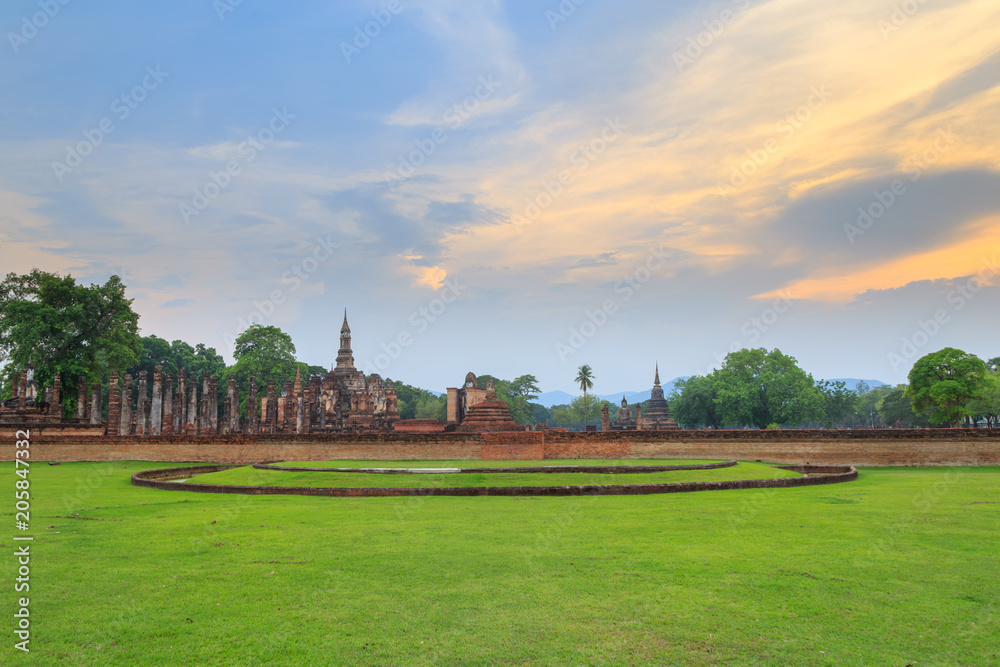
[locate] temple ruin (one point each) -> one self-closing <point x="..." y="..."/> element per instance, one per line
<point x="656" y="417"/>
<point x="345" y="400"/>
<point x="478" y="410"/>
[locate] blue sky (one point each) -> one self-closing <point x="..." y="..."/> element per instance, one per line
<point x="517" y="188"/>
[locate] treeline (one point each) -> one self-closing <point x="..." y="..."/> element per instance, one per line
<point x="758" y="388"/>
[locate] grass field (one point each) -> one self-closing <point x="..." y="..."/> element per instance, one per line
<point x="251" y="477"/>
<point x="553" y="463"/>
<point x="899" y="567"/>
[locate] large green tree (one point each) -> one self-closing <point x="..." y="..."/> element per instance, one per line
<point x="757" y="387"/>
<point x="692" y="402"/>
<point x="53" y="324"/>
<point x="945" y="382"/>
<point x="264" y="353"/>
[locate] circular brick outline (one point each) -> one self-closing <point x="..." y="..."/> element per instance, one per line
<point x="159" y="479"/>
<point x="611" y="470"/>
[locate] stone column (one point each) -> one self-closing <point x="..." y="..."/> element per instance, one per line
<point x="56" y="407"/>
<point x="15" y="384"/>
<point x="168" y="404"/>
<point x="638" y="416"/>
<point x="272" y="409"/>
<point x="452" y="414"/>
<point x="191" y="426"/>
<point x="234" y="407"/>
<point x="253" y="409"/>
<point x="125" y="423"/>
<point x="312" y="396"/>
<point x="203" y="405"/>
<point x="180" y="414"/>
<point x="22" y="391"/>
<point x="48" y="399"/>
<point x="605" y="418"/>
<point x="81" y="399"/>
<point x="95" y="403"/>
<point x="156" y="410"/>
<point x="213" y="405"/>
<point x="299" y="413"/>
<point x="321" y="407"/>
<point x="141" y="423"/>
<point x="288" y="414"/>
<point x="114" y="406"/>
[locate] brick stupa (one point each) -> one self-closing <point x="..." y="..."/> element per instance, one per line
<point x="657" y="414"/>
<point x="488" y="415"/>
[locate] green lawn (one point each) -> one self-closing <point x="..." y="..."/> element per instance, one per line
<point x="251" y="477"/>
<point x="899" y="567"/>
<point x="494" y="464"/>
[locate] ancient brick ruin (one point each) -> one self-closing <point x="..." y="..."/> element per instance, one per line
<point x="486" y="415"/>
<point x="345" y="400"/>
<point x="656" y="418"/>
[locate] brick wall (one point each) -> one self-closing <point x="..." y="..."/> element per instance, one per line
<point x="512" y="452"/>
<point x="878" y="447"/>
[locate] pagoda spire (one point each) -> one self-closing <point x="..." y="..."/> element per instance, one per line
<point x="345" y="357"/>
<point x="656" y="378"/>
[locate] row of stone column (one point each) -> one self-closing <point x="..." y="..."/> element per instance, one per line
<point x="188" y="412"/>
<point x="166" y="411"/>
<point x="163" y="409"/>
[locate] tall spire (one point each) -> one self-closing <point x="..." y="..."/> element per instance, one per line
<point x="656" y="379"/>
<point x="345" y="358"/>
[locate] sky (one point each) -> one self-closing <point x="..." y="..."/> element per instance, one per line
<point x="518" y="187"/>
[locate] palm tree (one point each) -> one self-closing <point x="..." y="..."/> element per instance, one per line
<point x="585" y="376"/>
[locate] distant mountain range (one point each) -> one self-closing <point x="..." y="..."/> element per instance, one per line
<point x="550" y="398"/>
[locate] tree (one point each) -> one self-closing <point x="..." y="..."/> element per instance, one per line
<point x="54" y="325"/>
<point x="838" y="401"/>
<point x="429" y="406"/>
<point x="895" y="409"/>
<point x="866" y="407"/>
<point x="993" y="364"/>
<point x="413" y="399"/>
<point x="585" y="377"/>
<point x="264" y="353"/>
<point x="987" y="405"/>
<point x="525" y="386"/>
<point x="310" y="371"/>
<point x="758" y="387"/>
<point x="576" y="411"/>
<point x="540" y="414"/>
<point x="175" y="356"/>
<point x="692" y="402"/>
<point x="946" y="381"/>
